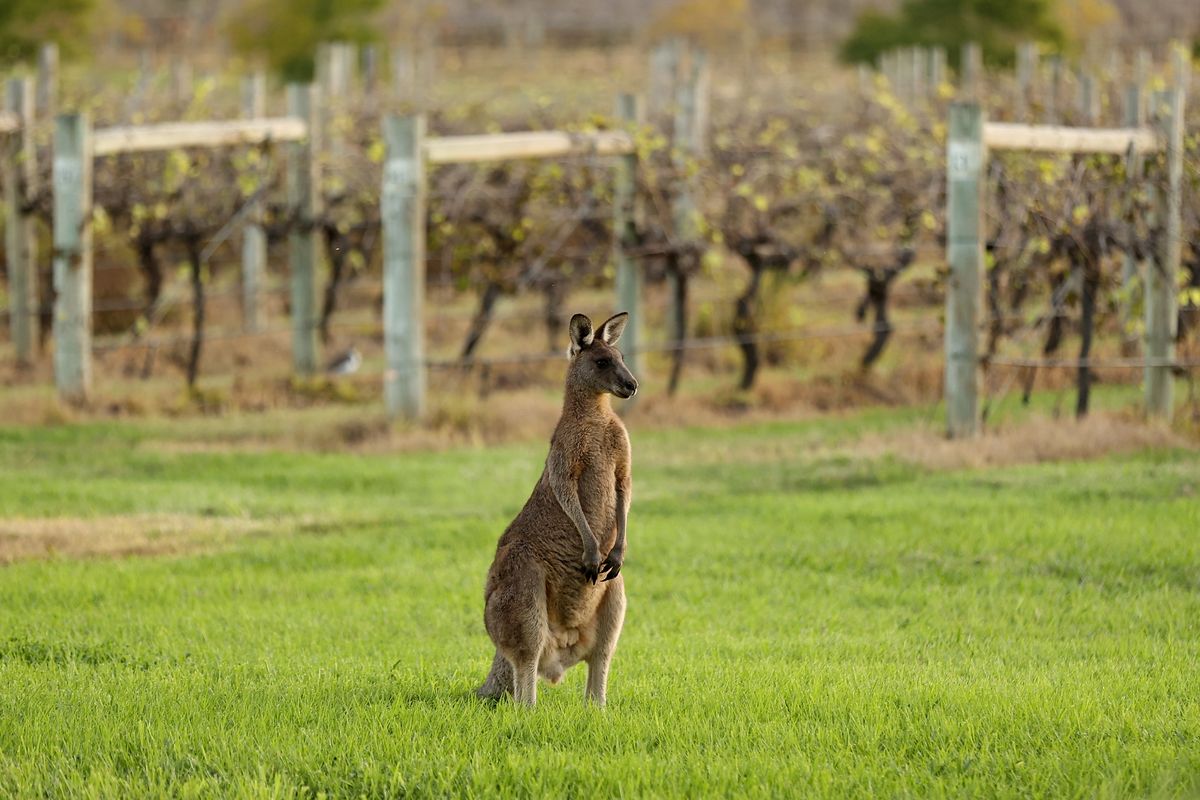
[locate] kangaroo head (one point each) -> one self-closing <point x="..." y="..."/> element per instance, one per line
<point x="597" y="365"/>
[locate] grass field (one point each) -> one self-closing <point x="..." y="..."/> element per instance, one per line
<point x="806" y="617"/>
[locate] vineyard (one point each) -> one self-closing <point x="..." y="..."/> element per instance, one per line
<point x="777" y="230"/>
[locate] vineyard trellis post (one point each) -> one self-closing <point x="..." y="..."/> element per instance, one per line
<point x="303" y="197"/>
<point x="689" y="143"/>
<point x="937" y="71"/>
<point x="254" y="238"/>
<point x="402" y="204"/>
<point x="1135" y="117"/>
<point x="1089" y="98"/>
<point x="919" y="64"/>
<point x="20" y="173"/>
<point x="47" y="82"/>
<point x="1027" y="58"/>
<point x="72" y="181"/>
<point x="664" y="72"/>
<point x="629" y="276"/>
<point x="1054" y="98"/>
<point x="1160" y="292"/>
<point x="971" y="72"/>
<point x="965" y="159"/>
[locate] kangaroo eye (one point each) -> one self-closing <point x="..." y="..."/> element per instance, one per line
<point x="603" y="363"/>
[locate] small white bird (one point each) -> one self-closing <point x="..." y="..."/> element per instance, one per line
<point x="345" y="364"/>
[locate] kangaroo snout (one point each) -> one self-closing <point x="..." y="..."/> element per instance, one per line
<point x="628" y="388"/>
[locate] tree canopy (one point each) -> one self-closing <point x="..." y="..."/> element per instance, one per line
<point x="997" y="25"/>
<point x="26" y="24"/>
<point x="286" y="32"/>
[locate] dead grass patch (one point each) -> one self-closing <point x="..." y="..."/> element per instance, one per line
<point x="118" y="536"/>
<point x="1035" y="440"/>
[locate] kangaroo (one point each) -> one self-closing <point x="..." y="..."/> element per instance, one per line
<point x="544" y="609"/>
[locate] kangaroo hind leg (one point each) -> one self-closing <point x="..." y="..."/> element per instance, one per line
<point x="610" y="616"/>
<point x="499" y="681"/>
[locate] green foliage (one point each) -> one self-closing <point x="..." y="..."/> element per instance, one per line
<point x="26" y="24"/>
<point x="286" y="32"/>
<point x="997" y="25"/>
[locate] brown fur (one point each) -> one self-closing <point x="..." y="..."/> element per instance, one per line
<point x="545" y="609"/>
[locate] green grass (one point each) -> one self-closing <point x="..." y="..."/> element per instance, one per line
<point x="802" y="621"/>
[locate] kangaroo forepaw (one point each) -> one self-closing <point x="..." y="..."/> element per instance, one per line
<point x="611" y="566"/>
<point x="591" y="566"/>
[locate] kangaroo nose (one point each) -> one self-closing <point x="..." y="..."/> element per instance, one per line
<point x="631" y="386"/>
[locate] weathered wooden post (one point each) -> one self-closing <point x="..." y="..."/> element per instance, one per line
<point x="20" y="175"/>
<point x="404" y="72"/>
<point x="1054" y="101"/>
<point x="1181" y="66"/>
<point x="72" y="179"/>
<point x="1089" y="99"/>
<point x="1161" y="290"/>
<point x="254" y="238"/>
<point x="971" y="73"/>
<point x="403" y="209"/>
<point x="664" y="75"/>
<point x="370" y="68"/>
<point x="47" y="82"/>
<point x="965" y="160"/>
<point x="629" y="276"/>
<point x="904" y="75"/>
<point x="865" y="80"/>
<point x="304" y="201"/>
<point x="1135" y="117"/>
<point x="919" y="66"/>
<point x="937" y="71"/>
<point x="333" y="84"/>
<point x="1026" y="64"/>
<point x="688" y="144"/>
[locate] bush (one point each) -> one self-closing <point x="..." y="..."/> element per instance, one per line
<point x="26" y="24"/>
<point x="997" y="25"/>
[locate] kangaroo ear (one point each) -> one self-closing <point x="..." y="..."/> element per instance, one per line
<point x="581" y="333"/>
<point x="613" y="327"/>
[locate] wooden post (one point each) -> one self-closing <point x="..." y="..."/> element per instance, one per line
<point x="1054" y="103"/>
<point x="18" y="172"/>
<point x="1089" y="99"/>
<point x="937" y="71"/>
<point x="919" y="67"/>
<point x="305" y="203"/>
<point x="1181" y="66"/>
<point x="904" y="74"/>
<point x="403" y="209"/>
<point x="965" y="162"/>
<point x="254" y="238"/>
<point x="370" y="68"/>
<point x="1161" y="289"/>
<point x="664" y="76"/>
<point x="1135" y="117"/>
<point x="971" y="73"/>
<point x="180" y="77"/>
<point x="688" y="144"/>
<point x="72" y="177"/>
<point x="19" y="166"/>
<point x="404" y="73"/>
<point x="865" y="81"/>
<point x="629" y="276"/>
<point x="1026" y="64"/>
<point x="47" y="81"/>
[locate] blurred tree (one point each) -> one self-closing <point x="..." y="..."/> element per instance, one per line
<point x="711" y="22"/>
<point x="997" y="25"/>
<point x="25" y="24"/>
<point x="286" y="32"/>
<point x="1088" y="23"/>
